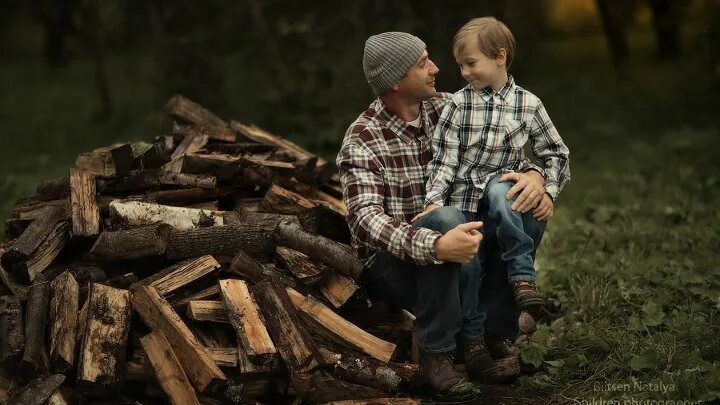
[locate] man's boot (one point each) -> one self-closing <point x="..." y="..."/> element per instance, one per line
<point x="446" y="382"/>
<point x="484" y="368"/>
<point x="499" y="347"/>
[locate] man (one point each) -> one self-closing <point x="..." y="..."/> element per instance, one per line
<point x="419" y="265"/>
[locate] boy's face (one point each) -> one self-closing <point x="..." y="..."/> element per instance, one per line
<point x="480" y="70"/>
<point x="419" y="82"/>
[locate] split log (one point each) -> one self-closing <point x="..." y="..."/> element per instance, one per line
<point x="59" y="397"/>
<point x="335" y="203"/>
<point x="157" y="313"/>
<point x="64" y="307"/>
<point x="219" y="241"/>
<point x="289" y="335"/>
<point x="105" y="336"/>
<point x="218" y="165"/>
<point x="12" y="336"/>
<point x="30" y="269"/>
<point x="245" y="318"/>
<point x="38" y="391"/>
<point x="243" y="148"/>
<point x="300" y="266"/>
<point x="206" y="294"/>
<point x="168" y="370"/>
<point x="139" y="369"/>
<point x="111" y="161"/>
<point x="148" y="179"/>
<point x="38" y="231"/>
<point x="181" y="274"/>
<point x="338" y="289"/>
<point x="135" y="213"/>
<point x="129" y="244"/>
<point x="259" y="135"/>
<point x="35" y="358"/>
<point x="18" y="290"/>
<point x="183" y="197"/>
<point x="336" y="255"/>
<point x="85" y="211"/>
<point x="282" y="201"/>
<point x="326" y="222"/>
<point x="202" y="119"/>
<point x="246" y="267"/>
<point x="343" y="331"/>
<point x="122" y="281"/>
<point x="189" y="144"/>
<point x="206" y="310"/>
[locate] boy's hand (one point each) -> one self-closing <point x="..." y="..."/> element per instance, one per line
<point x="531" y="186"/>
<point x="426" y="211"/>
<point x="459" y="244"/>
<point x="545" y="209"/>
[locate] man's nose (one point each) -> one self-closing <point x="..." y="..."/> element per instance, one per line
<point x="433" y="68"/>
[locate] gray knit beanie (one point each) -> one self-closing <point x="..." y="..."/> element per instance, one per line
<point x="388" y="56"/>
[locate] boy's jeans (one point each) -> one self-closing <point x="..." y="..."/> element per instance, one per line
<point x="445" y="299"/>
<point x="518" y="234"/>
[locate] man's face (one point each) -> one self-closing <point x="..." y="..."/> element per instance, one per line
<point x="419" y="82"/>
<point x="478" y="69"/>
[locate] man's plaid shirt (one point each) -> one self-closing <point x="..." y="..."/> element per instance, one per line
<point x="383" y="163"/>
<point x="482" y="134"/>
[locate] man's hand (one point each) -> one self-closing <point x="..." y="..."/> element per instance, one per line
<point x="426" y="211"/>
<point x="545" y="209"/>
<point x="459" y="244"/>
<point x="531" y="186"/>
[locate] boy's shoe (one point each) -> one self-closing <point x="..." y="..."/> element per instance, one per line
<point x="484" y="368"/>
<point x="527" y="296"/>
<point x="447" y="384"/>
<point x="499" y="347"/>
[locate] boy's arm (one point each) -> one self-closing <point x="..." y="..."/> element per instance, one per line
<point x="363" y="193"/>
<point x="550" y="148"/>
<point x="446" y="149"/>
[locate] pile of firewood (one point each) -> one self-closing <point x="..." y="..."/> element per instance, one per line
<point x="209" y="266"/>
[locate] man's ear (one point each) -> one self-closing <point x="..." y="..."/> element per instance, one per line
<point x="502" y="57"/>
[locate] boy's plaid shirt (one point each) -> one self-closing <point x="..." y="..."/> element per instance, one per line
<point x="482" y="134"/>
<point x="383" y="170"/>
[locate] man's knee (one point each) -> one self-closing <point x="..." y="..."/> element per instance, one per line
<point x="442" y="219"/>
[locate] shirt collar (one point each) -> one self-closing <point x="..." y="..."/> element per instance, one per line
<point x="401" y="128"/>
<point x="506" y="92"/>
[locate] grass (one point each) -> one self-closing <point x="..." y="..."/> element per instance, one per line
<point x="629" y="263"/>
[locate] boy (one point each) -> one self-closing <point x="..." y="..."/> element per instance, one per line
<point x="481" y="135"/>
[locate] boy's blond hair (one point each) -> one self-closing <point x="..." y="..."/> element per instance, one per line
<point x="491" y="34"/>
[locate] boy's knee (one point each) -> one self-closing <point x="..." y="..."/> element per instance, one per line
<point x="442" y="219"/>
<point x="497" y="192"/>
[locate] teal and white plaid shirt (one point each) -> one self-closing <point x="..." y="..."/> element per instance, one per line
<point x="481" y="134"/>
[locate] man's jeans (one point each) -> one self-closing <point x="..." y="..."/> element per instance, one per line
<point x="448" y="298"/>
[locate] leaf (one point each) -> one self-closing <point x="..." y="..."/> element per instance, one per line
<point x="533" y="355"/>
<point x="555" y="363"/>
<point x="139" y="148"/>
<point x="540" y="336"/>
<point x="652" y="314"/>
<point x="646" y="361"/>
<point x="558" y="324"/>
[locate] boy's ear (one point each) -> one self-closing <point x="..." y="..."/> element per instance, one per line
<point x="502" y="57"/>
<point x="395" y="87"/>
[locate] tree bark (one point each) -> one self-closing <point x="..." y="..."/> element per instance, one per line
<point x="220" y="240"/>
<point x="12" y="336"/>
<point x="129" y="244"/>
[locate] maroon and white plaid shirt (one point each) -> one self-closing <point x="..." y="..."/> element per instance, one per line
<point x="383" y="169"/>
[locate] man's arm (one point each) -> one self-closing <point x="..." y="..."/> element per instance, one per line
<point x="363" y="193"/>
<point x="446" y="149"/>
<point x="550" y="148"/>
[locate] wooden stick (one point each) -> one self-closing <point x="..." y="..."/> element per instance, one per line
<point x="293" y="341"/>
<point x="189" y="144"/>
<point x="140" y="213"/>
<point x="64" y="307"/>
<point x="85" y="211"/>
<point x="209" y="293"/>
<point x="181" y="274"/>
<point x="157" y="313"/>
<point x="102" y="350"/>
<point x="45" y="253"/>
<point x="282" y="201"/>
<point x="129" y="244"/>
<point x="202" y="119"/>
<point x="12" y="336"/>
<point x="247" y="321"/>
<point x="344" y="331"/>
<point x="114" y="160"/>
<point x="259" y="135"/>
<point x="336" y="255"/>
<point x="168" y="370"/>
<point x="206" y="310"/>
